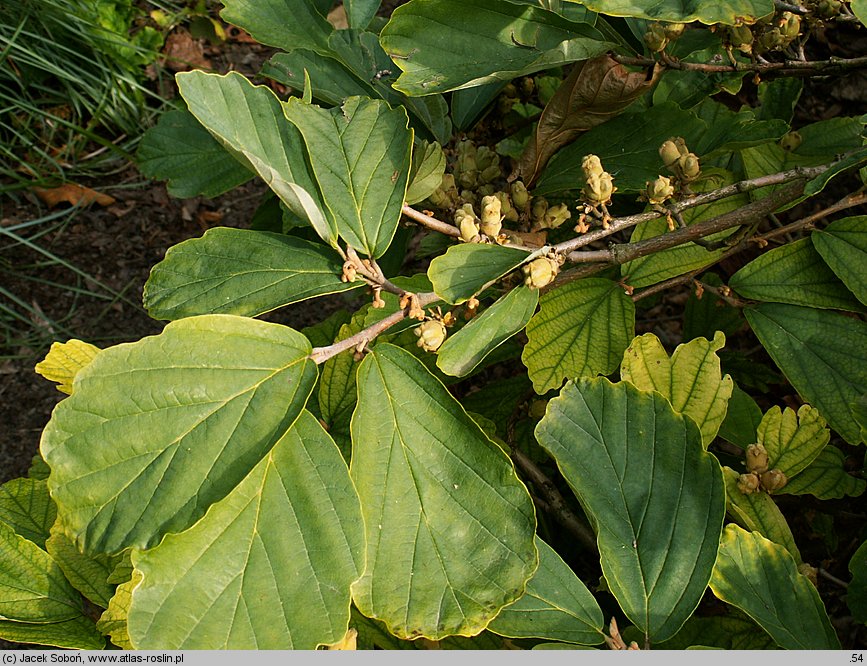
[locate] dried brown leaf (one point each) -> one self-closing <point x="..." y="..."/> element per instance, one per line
<point x="182" y="52"/>
<point x="596" y="90"/>
<point x="71" y="193"/>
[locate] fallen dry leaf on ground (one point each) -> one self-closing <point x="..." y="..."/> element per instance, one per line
<point x="73" y="194"/>
<point x="182" y="52"/>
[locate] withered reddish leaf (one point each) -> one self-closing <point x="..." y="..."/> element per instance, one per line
<point x="71" y="193"/>
<point x="595" y="91"/>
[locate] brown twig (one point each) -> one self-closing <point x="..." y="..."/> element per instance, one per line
<point x="784" y="68"/>
<point x="559" y="509"/>
<point x="431" y="222"/>
<point x="849" y="201"/>
<point x="322" y="354"/>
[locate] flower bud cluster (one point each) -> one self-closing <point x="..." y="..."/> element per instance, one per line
<point x="598" y="183"/>
<point x="758" y="475"/>
<point x="774" y="33"/>
<point x="541" y="271"/>
<point x="468" y="222"/>
<point x="431" y="334"/>
<point x="659" y="34"/>
<point x="679" y="160"/>
<point x="476" y="167"/>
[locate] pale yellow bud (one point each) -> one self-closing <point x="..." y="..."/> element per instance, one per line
<point x="520" y="196"/>
<point x="669" y="153"/>
<point x="431" y="335"/>
<point x="591" y="165"/>
<point x="492" y="218"/>
<point x="657" y="191"/>
<point x="748" y="483"/>
<point x="756" y="459"/>
<point x="773" y="480"/>
<point x="540" y="272"/>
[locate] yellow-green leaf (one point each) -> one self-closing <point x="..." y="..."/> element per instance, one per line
<point x="761" y="578"/>
<point x="113" y="621"/>
<point x="792" y="440"/>
<point x="27" y="508"/>
<point x="76" y="634"/>
<point x="86" y="573"/>
<point x="826" y="478"/>
<point x="691" y="379"/>
<point x="63" y="362"/>
<point x="581" y="330"/>
<point x="757" y="512"/>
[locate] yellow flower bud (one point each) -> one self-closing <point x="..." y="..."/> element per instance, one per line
<point x="431" y="335"/>
<point x="657" y="191"/>
<point x="790" y="141"/>
<point x="741" y="38"/>
<point x="591" y="165"/>
<point x="599" y="188"/>
<point x="540" y="272"/>
<point x="748" y="483"/>
<point x="688" y="167"/>
<point x="556" y="216"/>
<point x="757" y="459"/>
<point x="790" y="26"/>
<point x="520" y="196"/>
<point x="540" y="207"/>
<point x="673" y="30"/>
<point x="669" y="153"/>
<point x="491" y="173"/>
<point x="492" y="218"/>
<point x="773" y="480"/>
<point x="655" y="37"/>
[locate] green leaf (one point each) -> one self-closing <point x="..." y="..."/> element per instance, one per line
<point x="691" y="88"/>
<point x="337" y="392"/>
<point x="466" y="269"/>
<point x="727" y="12"/>
<point x="581" y="330"/>
<point x="32" y="586"/>
<point x="778" y="98"/>
<point x="497" y="400"/>
<point x="451" y="44"/>
<point x="113" y="622"/>
<point x="89" y="575"/>
<point x="855" y="159"/>
<point x="268" y="567"/>
<point x="757" y="512"/>
<point x="157" y="430"/>
<point x="26" y="507"/>
<point x="794" y="273"/>
<point x="240" y="272"/>
<point x="742" y="419"/>
<point x="792" y="440"/>
<point x="856" y="594"/>
<point x="826" y="478"/>
<point x="761" y="578"/>
<point x="628" y="147"/>
<point x="286" y="24"/>
<point x="859" y="8"/>
<point x="691" y="380"/>
<point x="468" y="104"/>
<point x="729" y="632"/>
<point x="843" y="245"/>
<point x="76" y="634"/>
<point x="463" y="351"/>
<point x="823" y="355"/>
<point x="360" y="12"/>
<point x="655" y="496"/>
<point x="331" y="81"/>
<point x="426" y="174"/>
<point x="250" y="122"/>
<point x="449" y="526"/>
<point x="556" y="606"/>
<point x="731" y="130"/>
<point x="360" y="154"/>
<point x="178" y="149"/>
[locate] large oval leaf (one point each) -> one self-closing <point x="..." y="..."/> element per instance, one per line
<point x="449" y="526"/>
<point x="655" y="496"/>
<point x="760" y="577"/>
<point x="464" y="350"/>
<point x="793" y="440"/>
<point x="249" y="121"/>
<point x="728" y="12"/>
<point x="26" y="507"/>
<point x="242" y="272"/>
<point x="157" y="430"/>
<point x="796" y="274"/>
<point x="360" y="154"/>
<point x="843" y="245"/>
<point x="450" y="44"/>
<point x="823" y="354"/>
<point x="286" y="24"/>
<point x="32" y="586"/>
<point x="556" y="606"/>
<point x="581" y="330"/>
<point x="826" y="478"/>
<point x="268" y="567"/>
<point x="691" y="379"/>
<point x="465" y="269"/>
